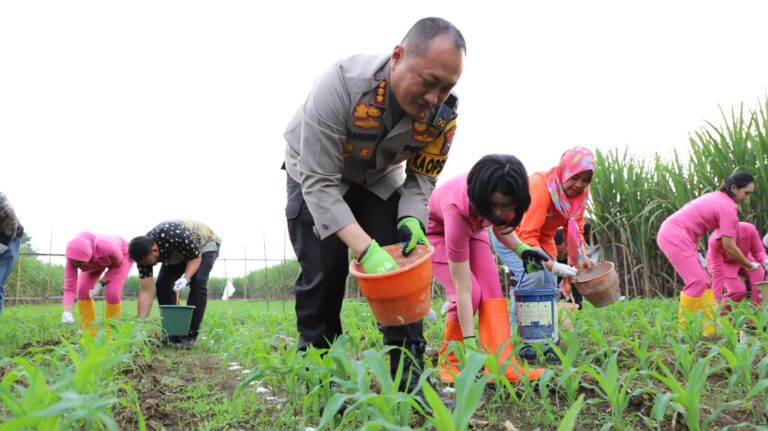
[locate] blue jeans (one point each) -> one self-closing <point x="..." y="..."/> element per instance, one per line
<point x="542" y="278"/>
<point x="7" y="260"/>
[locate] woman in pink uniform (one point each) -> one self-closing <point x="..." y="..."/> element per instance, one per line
<point x="92" y="254"/>
<point x="726" y="273"/>
<point x="680" y="233"/>
<point x="494" y="193"/>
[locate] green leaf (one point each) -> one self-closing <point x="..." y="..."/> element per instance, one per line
<point x="571" y="415"/>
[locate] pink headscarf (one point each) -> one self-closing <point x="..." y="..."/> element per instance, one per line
<point x="572" y="162"/>
<point x="81" y="248"/>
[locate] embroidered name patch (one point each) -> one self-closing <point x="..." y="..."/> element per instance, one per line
<point x="431" y="159"/>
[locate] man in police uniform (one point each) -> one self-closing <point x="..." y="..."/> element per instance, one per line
<point x="365" y="117"/>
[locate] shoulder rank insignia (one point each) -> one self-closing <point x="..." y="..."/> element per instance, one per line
<point x="380" y="97"/>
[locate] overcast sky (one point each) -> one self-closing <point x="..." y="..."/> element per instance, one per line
<point x="115" y="116"/>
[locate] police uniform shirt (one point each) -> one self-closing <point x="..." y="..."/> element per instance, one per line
<point x="179" y="241"/>
<point x="344" y="134"/>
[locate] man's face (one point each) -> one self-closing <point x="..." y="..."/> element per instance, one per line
<point x="420" y="82"/>
<point x="151" y="260"/>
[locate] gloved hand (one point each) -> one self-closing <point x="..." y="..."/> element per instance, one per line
<point x="702" y="261"/>
<point x="470" y="343"/>
<point x="412" y="232"/>
<point x="532" y="258"/>
<point x="67" y="318"/>
<point x="376" y="261"/>
<point x="181" y="283"/>
<point x="563" y="270"/>
<point x="3" y="248"/>
<point x="753" y="266"/>
<point x="101" y="284"/>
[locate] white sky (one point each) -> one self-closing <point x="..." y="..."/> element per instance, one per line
<point x="115" y="116"/>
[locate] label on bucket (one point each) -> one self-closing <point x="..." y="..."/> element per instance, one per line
<point x="529" y="313"/>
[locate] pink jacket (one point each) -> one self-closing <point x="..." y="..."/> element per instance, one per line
<point x="747" y="239"/>
<point x="453" y="222"/>
<point x="100" y="252"/>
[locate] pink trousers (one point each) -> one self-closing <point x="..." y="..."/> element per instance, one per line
<point x="115" y="278"/>
<point x="683" y="254"/>
<point x="484" y="273"/>
<point x="727" y="283"/>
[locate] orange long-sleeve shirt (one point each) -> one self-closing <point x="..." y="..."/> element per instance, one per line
<point x="540" y="222"/>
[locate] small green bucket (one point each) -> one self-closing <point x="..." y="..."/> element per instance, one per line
<point x="176" y="319"/>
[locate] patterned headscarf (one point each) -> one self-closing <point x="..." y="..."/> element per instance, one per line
<point x="572" y="162"/>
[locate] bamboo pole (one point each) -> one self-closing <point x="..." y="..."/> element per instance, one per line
<point x="245" y="273"/>
<point x="50" y="252"/>
<point x="266" y="273"/>
<point x="282" y="274"/>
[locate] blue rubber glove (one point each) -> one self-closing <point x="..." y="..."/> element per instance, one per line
<point x="376" y="261"/>
<point x="532" y="258"/>
<point x="411" y="231"/>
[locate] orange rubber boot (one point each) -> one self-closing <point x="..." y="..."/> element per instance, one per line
<point x="449" y="363"/>
<point x="87" y="314"/>
<point x="494" y="331"/>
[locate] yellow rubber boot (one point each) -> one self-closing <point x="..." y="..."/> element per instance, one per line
<point x="449" y="363"/>
<point x="708" y="307"/>
<point x="705" y="303"/>
<point x="87" y="315"/>
<point x="112" y="311"/>
<point x="687" y="303"/>
<point x="494" y="331"/>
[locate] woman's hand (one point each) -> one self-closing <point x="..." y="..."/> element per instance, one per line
<point x="561" y="269"/>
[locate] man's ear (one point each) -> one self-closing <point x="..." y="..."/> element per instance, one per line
<point x="398" y="54"/>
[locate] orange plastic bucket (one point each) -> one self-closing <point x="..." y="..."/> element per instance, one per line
<point x="599" y="284"/>
<point x="402" y="296"/>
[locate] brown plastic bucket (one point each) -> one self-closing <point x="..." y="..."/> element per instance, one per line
<point x="402" y="296"/>
<point x="762" y="286"/>
<point x="599" y="284"/>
